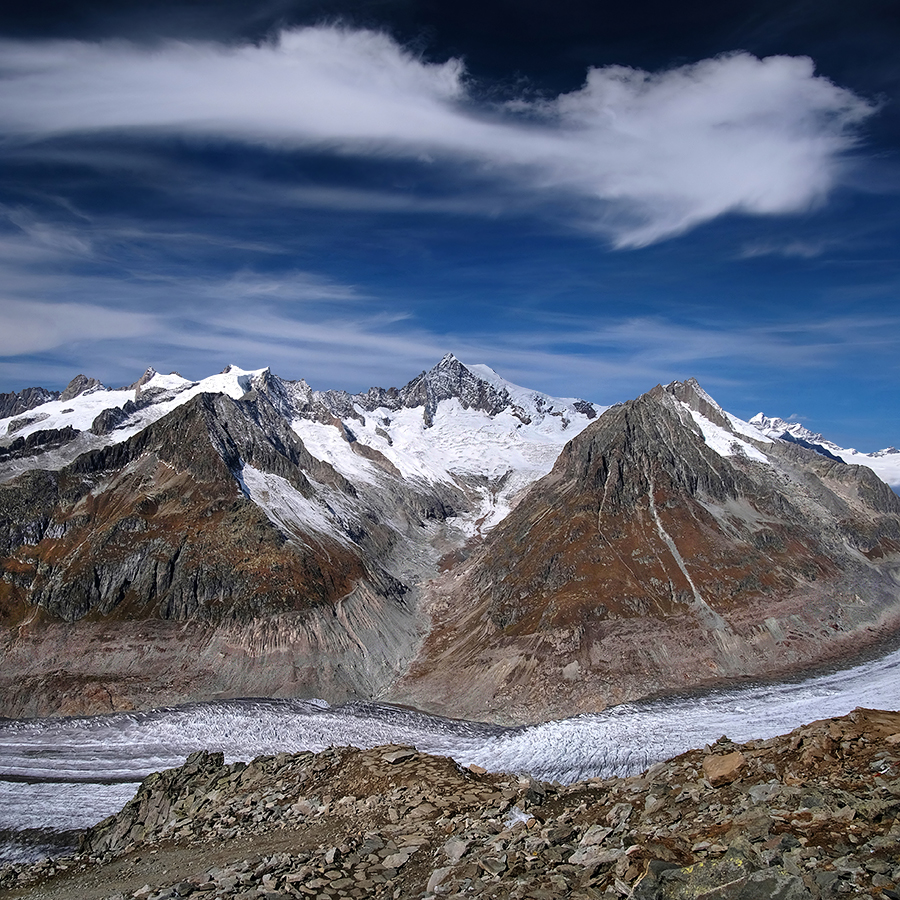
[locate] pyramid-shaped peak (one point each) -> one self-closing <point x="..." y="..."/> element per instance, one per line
<point x="80" y="384"/>
<point x="692" y="395"/>
<point x="451" y="377"/>
<point x="447" y="363"/>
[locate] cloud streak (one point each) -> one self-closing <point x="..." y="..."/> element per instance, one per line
<point x="653" y="154"/>
<point x="305" y="326"/>
<point x="31" y="327"/>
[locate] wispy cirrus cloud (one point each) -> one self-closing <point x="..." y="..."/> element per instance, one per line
<point x="335" y="336"/>
<point x="652" y="154"/>
<point x="31" y="327"/>
<point x="802" y="249"/>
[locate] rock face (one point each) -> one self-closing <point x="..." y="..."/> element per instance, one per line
<point x="80" y="384"/>
<point x="809" y="816"/>
<point x="670" y="547"/>
<point x="153" y="550"/>
<point x="449" y="379"/>
<point x="14" y="404"/>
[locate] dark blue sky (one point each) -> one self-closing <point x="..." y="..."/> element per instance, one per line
<point x="590" y="197"/>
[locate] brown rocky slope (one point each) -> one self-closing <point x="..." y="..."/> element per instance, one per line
<point x="811" y="815"/>
<point x="655" y="557"/>
<point x="142" y="574"/>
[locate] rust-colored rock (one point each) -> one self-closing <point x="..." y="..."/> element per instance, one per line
<point x="723" y="769"/>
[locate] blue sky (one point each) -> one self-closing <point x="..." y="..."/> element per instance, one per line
<point x="589" y="198"/>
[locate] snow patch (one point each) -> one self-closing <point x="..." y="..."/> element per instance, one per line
<point x="79" y="413"/>
<point x="496" y="457"/>
<point x="171" y="382"/>
<point x="287" y="508"/>
<point x="725" y="442"/>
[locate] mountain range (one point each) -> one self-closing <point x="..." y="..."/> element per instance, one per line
<point x="460" y="544"/>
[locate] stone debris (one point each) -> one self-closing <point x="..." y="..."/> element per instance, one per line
<point x="721" y="769"/>
<point x="808" y="816"/>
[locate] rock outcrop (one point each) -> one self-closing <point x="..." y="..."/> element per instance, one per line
<point x="809" y="816"/>
<point x="80" y="384"/>
<point x="14" y="404"/>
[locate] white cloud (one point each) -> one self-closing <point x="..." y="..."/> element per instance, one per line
<point x="115" y="329"/>
<point x="799" y="248"/>
<point x="247" y="286"/>
<point x="34" y="327"/>
<point x="655" y="154"/>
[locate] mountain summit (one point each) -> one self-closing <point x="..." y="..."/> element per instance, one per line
<point x="251" y="533"/>
<point x="885" y="463"/>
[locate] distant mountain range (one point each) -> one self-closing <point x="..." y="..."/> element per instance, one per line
<point x="884" y="463"/>
<point x="461" y="544"/>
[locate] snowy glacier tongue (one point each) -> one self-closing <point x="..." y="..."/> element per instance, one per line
<point x="61" y="774"/>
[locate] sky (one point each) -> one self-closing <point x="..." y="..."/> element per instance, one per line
<point x="590" y="197"/>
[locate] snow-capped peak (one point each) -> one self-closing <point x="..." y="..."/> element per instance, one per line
<point x="454" y="424"/>
<point x="171" y="382"/>
<point x="885" y="463"/>
<point x="775" y="427"/>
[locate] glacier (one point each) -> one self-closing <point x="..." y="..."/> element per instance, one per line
<point x="68" y="773"/>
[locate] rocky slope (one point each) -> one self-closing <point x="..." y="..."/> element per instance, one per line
<point x="243" y="535"/>
<point x="809" y="816"/>
<point x="143" y="568"/>
<point x="672" y="546"/>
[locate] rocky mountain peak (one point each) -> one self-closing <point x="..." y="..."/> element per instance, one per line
<point x="79" y="385"/>
<point x="694" y="397"/>
<point x="649" y="444"/>
<point x="447" y="380"/>
<point x="450" y="379"/>
<point x="795" y="433"/>
<point x="148" y="375"/>
<point x="776" y="427"/>
<point x="667" y="533"/>
<point x="14" y="404"/>
<point x="254" y="506"/>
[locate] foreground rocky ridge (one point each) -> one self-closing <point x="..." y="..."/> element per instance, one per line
<point x="807" y="816"/>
